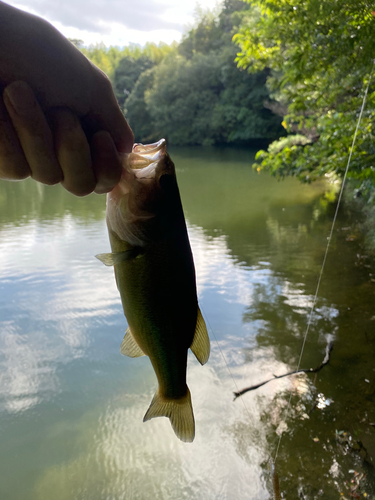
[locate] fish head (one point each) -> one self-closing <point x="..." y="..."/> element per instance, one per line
<point x="140" y="207"/>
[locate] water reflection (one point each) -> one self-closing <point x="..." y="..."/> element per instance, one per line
<point x="71" y="407"/>
<point x="122" y="458"/>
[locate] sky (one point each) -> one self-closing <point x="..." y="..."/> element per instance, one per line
<point x="118" y="22"/>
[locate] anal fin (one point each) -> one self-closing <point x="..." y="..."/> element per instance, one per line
<point x="201" y="342"/>
<point x="129" y="346"/>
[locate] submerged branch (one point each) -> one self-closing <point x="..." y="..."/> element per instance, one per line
<point x="308" y="370"/>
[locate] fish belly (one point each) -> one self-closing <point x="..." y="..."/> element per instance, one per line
<point x="158" y="294"/>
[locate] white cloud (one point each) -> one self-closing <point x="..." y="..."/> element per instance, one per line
<point x="118" y="22"/>
<point x="119" y="35"/>
<point x="96" y="15"/>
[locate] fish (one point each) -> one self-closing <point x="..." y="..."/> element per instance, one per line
<point x="155" y="275"/>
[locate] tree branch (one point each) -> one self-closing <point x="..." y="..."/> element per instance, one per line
<point x="325" y="361"/>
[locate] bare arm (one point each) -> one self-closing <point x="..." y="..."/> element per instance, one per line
<point x="59" y="119"/>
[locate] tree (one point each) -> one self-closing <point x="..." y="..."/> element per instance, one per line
<point x="106" y="58"/>
<point x="182" y="99"/>
<point x="321" y="56"/>
<point x="127" y="73"/>
<point x="136" y="110"/>
<point x="199" y="96"/>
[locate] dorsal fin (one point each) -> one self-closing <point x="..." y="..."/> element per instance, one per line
<point x="129" y="346"/>
<point x="201" y="343"/>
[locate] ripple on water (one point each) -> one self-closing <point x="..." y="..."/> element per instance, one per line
<point x="124" y="458"/>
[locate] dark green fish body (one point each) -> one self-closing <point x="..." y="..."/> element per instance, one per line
<point x="155" y="275"/>
<point x="156" y="285"/>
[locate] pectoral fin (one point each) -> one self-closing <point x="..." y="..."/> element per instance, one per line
<point x="110" y="259"/>
<point x="129" y="346"/>
<point x="201" y="343"/>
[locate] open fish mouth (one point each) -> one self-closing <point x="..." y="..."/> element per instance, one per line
<point x="144" y="158"/>
<point x="141" y="194"/>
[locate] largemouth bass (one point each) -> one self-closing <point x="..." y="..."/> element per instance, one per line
<point x="155" y="275"/>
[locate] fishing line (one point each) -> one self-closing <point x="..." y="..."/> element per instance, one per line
<point x="328" y="244"/>
<point x="225" y="361"/>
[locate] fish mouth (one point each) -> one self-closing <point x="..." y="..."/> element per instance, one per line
<point x="145" y="158"/>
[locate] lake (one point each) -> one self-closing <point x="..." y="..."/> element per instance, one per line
<point x="71" y="407"/>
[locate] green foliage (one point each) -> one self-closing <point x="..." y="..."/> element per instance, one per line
<point x="197" y="95"/>
<point x="327" y="155"/>
<point x="136" y="110"/>
<point x="241" y="108"/>
<point x="203" y="38"/>
<point x="183" y="97"/>
<point x="321" y="56"/>
<point x="191" y="93"/>
<point x="108" y="59"/>
<point x="213" y="33"/>
<point x="126" y="75"/>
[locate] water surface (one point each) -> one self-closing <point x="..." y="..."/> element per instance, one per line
<point x="71" y="407"/>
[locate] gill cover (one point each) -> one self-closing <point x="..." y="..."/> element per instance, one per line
<point x="134" y="202"/>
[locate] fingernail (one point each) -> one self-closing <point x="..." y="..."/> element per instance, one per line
<point x="21" y="98"/>
<point x="103" y="189"/>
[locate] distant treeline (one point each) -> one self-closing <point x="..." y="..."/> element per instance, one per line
<point x="192" y="93"/>
<point x="239" y="75"/>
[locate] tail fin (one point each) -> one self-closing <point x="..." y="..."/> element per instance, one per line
<point x="179" y="411"/>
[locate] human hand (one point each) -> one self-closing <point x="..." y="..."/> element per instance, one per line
<point x="63" y="125"/>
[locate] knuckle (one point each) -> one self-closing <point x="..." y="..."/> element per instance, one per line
<point x="69" y="136"/>
<point x="64" y="120"/>
<point x="74" y="145"/>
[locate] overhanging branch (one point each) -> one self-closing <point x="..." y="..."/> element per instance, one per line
<point x="325" y="361"/>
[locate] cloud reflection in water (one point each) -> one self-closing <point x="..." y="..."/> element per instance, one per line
<point x="63" y="300"/>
